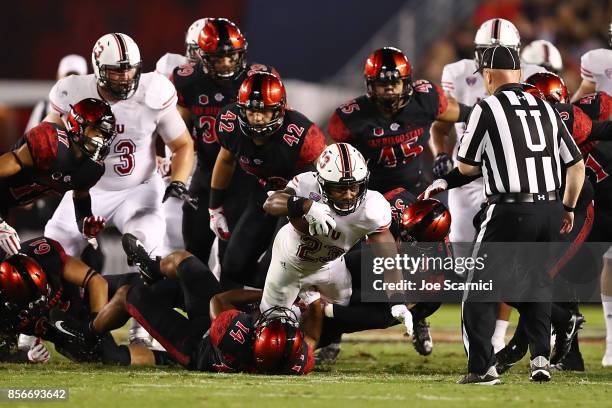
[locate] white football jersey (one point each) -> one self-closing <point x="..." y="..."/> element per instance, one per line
<point x="310" y="253"/>
<point x="467" y="87"/>
<point x="131" y="160"/>
<point x="166" y="64"/>
<point x="596" y="66"/>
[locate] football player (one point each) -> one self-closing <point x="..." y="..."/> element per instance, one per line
<point x="53" y="159"/>
<point x="129" y="194"/>
<point x="217" y="336"/>
<point x="330" y="211"/>
<point x="419" y="223"/>
<point x="169" y="61"/>
<point x="269" y="141"/>
<point x="544" y="54"/>
<point x="390" y="124"/>
<point x="595" y="72"/>
<point x="42" y="278"/>
<point x="203" y="88"/>
<point x="461" y="81"/>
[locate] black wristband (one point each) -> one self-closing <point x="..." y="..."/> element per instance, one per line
<point x="295" y="206"/>
<point x="217" y="197"/>
<point x="568" y="208"/>
<point x="82" y="209"/>
<point x="454" y="178"/>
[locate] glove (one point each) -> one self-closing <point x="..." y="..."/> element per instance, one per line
<point x="9" y="240"/>
<point x="218" y="223"/>
<point x="319" y="219"/>
<point x="92" y="226"/>
<point x="178" y="190"/>
<point x="163" y="166"/>
<point x="401" y="313"/>
<point x="434" y="188"/>
<point x="38" y="354"/>
<point x="442" y="165"/>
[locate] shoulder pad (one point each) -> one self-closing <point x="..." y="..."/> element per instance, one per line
<point x="166" y="64"/>
<point x="70" y="90"/>
<point x="160" y="92"/>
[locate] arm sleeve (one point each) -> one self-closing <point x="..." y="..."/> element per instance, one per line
<point x="568" y="150"/>
<point x="586" y="70"/>
<point x="337" y="130"/>
<point x="472" y="142"/>
<point x="171" y="125"/>
<point x="42" y="143"/>
<point x="313" y="145"/>
<point x="582" y="125"/>
<point x="442" y="101"/>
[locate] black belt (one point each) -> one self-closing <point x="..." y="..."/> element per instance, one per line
<point x="523" y="197"/>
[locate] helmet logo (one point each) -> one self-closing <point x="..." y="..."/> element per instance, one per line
<point x="470" y="80"/>
<point x="378" y="131"/>
<point x="394" y="126"/>
<point x="98" y="50"/>
<point x="314" y="196"/>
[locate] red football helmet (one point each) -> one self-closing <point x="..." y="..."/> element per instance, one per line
<point x="97" y="114"/>
<point x="218" y="39"/>
<point x="531" y="89"/>
<point x="23" y="289"/>
<point x="425" y="221"/>
<point x="279" y="341"/>
<point x="551" y="86"/>
<point x="388" y="65"/>
<point x="262" y="91"/>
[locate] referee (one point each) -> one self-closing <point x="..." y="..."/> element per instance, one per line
<point x="517" y="143"/>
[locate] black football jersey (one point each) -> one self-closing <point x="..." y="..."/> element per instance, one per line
<point x="289" y="151"/>
<point x="204" y="97"/>
<point x="55" y="171"/>
<point x="399" y="199"/>
<point x="393" y="147"/>
<point x="50" y="255"/>
<point x="598" y="106"/>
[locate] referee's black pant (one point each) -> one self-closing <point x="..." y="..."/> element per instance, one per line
<point x="516" y="222"/>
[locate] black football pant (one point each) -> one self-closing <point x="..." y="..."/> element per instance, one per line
<point x="197" y="234"/>
<point x="179" y="335"/>
<point x="511" y="223"/>
<point x="252" y="236"/>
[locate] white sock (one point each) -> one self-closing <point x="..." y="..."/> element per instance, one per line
<point x="499" y="336"/>
<point x="606" y="302"/>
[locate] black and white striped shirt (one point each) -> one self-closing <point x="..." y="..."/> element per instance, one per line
<point x="518" y="140"/>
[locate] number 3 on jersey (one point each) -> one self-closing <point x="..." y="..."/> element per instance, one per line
<point x="126" y="149"/>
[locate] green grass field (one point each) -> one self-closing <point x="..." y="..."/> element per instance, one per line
<point x="374" y="369"/>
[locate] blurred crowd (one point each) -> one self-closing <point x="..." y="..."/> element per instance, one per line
<point x="573" y="26"/>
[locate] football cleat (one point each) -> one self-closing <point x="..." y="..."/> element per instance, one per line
<point x="540" y="369"/>
<point x="138" y="256"/>
<point x="509" y="356"/>
<point x="571" y="362"/>
<point x="421" y="340"/>
<point x="327" y="355"/>
<point x="489" y="378"/>
<point x="565" y="336"/>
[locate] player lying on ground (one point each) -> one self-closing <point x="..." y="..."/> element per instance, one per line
<point x="215" y="336"/>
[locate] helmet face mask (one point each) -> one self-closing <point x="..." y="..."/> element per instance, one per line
<point x="91" y="126"/>
<point x="261" y="96"/>
<point x="343" y="177"/>
<point x="222" y="49"/>
<point x="387" y="68"/>
<point x="117" y="65"/>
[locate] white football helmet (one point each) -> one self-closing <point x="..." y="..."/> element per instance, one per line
<point x="191" y="40"/>
<point x="544" y="54"/>
<point x="496" y="31"/>
<point x="118" y="53"/>
<point x="341" y="166"/>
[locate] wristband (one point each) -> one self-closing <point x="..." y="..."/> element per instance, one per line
<point x="455" y="178"/>
<point x="568" y="208"/>
<point x="295" y="206"/>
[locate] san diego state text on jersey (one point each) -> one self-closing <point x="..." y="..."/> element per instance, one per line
<point x="391" y="146"/>
<point x="56" y="169"/>
<point x="290" y="149"/>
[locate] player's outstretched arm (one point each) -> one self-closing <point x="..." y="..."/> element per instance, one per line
<point x="78" y="273"/>
<point x="232" y="299"/>
<point x="276" y="204"/>
<point x="586" y="87"/>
